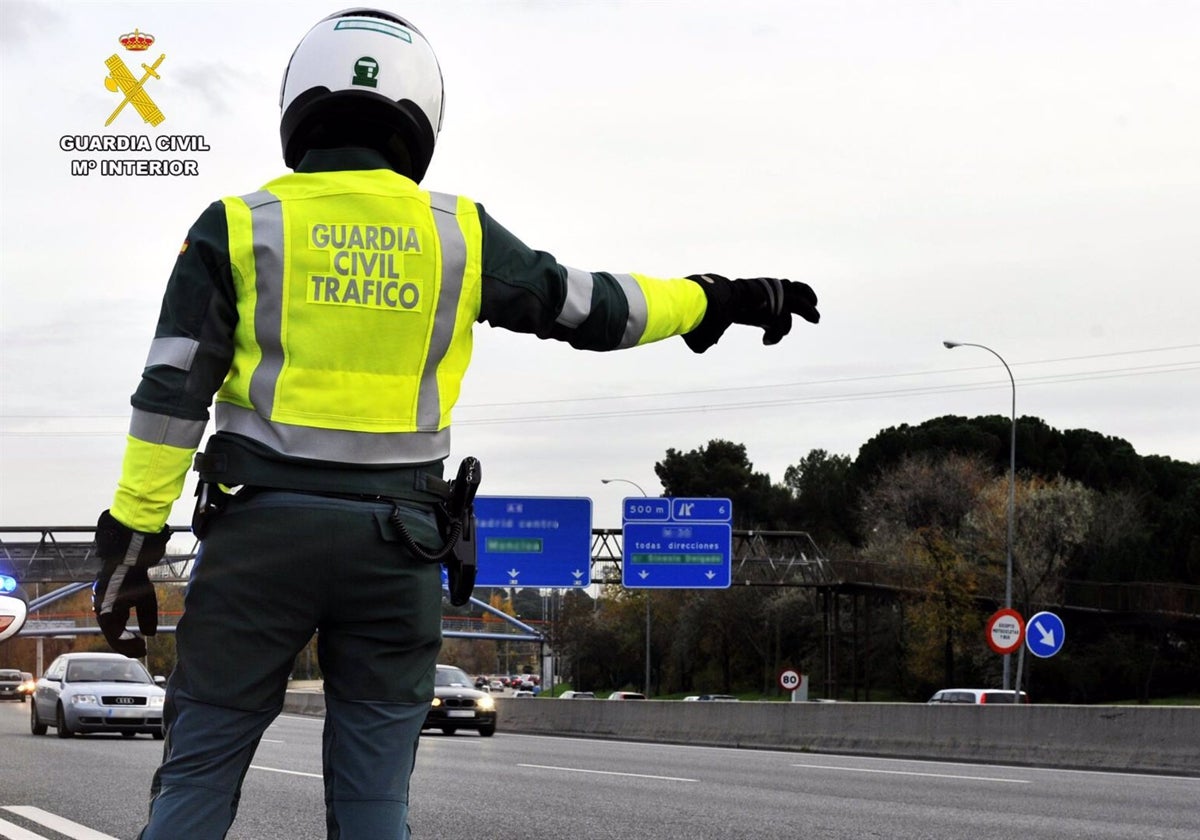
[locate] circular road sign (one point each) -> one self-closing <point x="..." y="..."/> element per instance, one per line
<point x="1046" y="635"/>
<point x="1005" y="631"/>
<point x="789" y="680"/>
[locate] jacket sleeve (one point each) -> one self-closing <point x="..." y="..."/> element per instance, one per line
<point x="531" y="292"/>
<point x="189" y="358"/>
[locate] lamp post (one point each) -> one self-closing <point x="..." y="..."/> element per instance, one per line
<point x="643" y="492"/>
<point x="624" y="481"/>
<point x="1012" y="486"/>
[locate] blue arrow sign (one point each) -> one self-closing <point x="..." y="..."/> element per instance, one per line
<point x="676" y="543"/>
<point x="533" y="541"/>
<point x="701" y="510"/>
<point x="1044" y="634"/>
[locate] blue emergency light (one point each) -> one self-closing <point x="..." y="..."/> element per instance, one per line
<point x="8" y="583"/>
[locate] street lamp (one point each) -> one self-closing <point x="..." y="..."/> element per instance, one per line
<point x="643" y="492"/>
<point x="624" y="480"/>
<point x="1012" y="485"/>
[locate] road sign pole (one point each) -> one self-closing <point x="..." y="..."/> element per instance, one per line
<point x="1020" y="668"/>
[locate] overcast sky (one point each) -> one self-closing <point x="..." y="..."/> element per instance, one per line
<point x="1024" y="175"/>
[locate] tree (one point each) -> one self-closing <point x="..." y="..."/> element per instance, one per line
<point x="722" y="470"/>
<point x="915" y="515"/>
<point x="822" y="485"/>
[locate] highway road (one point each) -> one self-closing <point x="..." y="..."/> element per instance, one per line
<point x="537" y="788"/>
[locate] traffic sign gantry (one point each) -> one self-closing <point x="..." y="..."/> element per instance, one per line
<point x="1005" y="631"/>
<point x="1045" y="634"/>
<point x="676" y="543"/>
<point x="533" y="541"/>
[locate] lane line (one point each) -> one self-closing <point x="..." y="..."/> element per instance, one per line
<point x="271" y="740"/>
<point x="1148" y="774"/>
<point x="56" y="823"/>
<point x="606" y="773"/>
<point x="9" y="831"/>
<point x="914" y="773"/>
<point x="288" y="772"/>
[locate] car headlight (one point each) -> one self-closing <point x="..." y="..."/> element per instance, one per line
<point x="437" y="701"/>
<point x="486" y="702"/>
<point x="156" y="702"/>
<point x="83" y="699"/>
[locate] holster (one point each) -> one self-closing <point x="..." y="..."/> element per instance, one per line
<point x="456" y="521"/>
<point x="210" y="502"/>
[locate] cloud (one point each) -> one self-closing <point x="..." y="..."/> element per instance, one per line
<point x="217" y="85"/>
<point x="23" y="20"/>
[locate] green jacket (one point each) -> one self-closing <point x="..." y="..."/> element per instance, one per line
<point x="194" y="352"/>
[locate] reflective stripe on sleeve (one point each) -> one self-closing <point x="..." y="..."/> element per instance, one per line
<point x="149" y="427"/>
<point x="172" y="351"/>
<point x="578" y="303"/>
<point x="635" y="324"/>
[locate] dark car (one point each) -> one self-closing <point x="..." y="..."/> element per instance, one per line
<point x="456" y="705"/>
<point x="10" y="685"/>
<point x="97" y="692"/>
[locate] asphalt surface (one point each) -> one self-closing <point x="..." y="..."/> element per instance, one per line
<point x="529" y="787"/>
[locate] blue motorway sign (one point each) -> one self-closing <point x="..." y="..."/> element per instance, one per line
<point x="676" y="543"/>
<point x="1045" y="634"/>
<point x="533" y="541"/>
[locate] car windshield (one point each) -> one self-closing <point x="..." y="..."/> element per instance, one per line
<point x="99" y="670"/>
<point x="10" y="675"/>
<point x="452" y="677"/>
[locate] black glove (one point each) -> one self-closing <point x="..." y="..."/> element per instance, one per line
<point x="123" y="583"/>
<point x="759" y="302"/>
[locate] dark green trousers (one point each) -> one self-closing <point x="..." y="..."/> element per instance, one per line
<point x="274" y="569"/>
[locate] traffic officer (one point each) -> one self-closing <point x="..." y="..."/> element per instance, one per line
<point x="330" y="315"/>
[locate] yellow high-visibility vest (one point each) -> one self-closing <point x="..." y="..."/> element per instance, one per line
<point x="356" y="292"/>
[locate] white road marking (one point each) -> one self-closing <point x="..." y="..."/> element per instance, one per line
<point x="606" y="773"/>
<point x="288" y="772"/>
<point x="914" y="773"/>
<point x="271" y="740"/>
<point x="14" y="832"/>
<point x="53" y="822"/>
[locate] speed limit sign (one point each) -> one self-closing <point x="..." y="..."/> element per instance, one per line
<point x="789" y="680"/>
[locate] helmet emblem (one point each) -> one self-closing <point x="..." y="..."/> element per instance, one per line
<point x="366" y="69"/>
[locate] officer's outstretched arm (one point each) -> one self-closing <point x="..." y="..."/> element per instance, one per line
<point x="764" y="302"/>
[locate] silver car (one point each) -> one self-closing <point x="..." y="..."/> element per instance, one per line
<point x="97" y="692"/>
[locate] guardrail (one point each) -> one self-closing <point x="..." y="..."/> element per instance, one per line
<point x="1154" y="739"/>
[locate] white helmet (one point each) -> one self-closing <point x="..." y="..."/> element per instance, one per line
<point x="363" y="77"/>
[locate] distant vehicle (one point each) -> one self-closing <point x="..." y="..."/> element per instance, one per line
<point x="10" y="684"/>
<point x="976" y="696"/>
<point x="626" y="695"/>
<point x="496" y="685"/>
<point x="524" y="692"/>
<point x="577" y="695"/>
<point x="456" y="705"/>
<point x="717" y="697"/>
<point x="482" y="683"/>
<point x="97" y="692"/>
<point x="692" y="697"/>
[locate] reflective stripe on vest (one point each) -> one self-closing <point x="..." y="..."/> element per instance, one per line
<point x="308" y="409"/>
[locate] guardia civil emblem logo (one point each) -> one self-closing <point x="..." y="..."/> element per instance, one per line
<point x="120" y="79"/>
